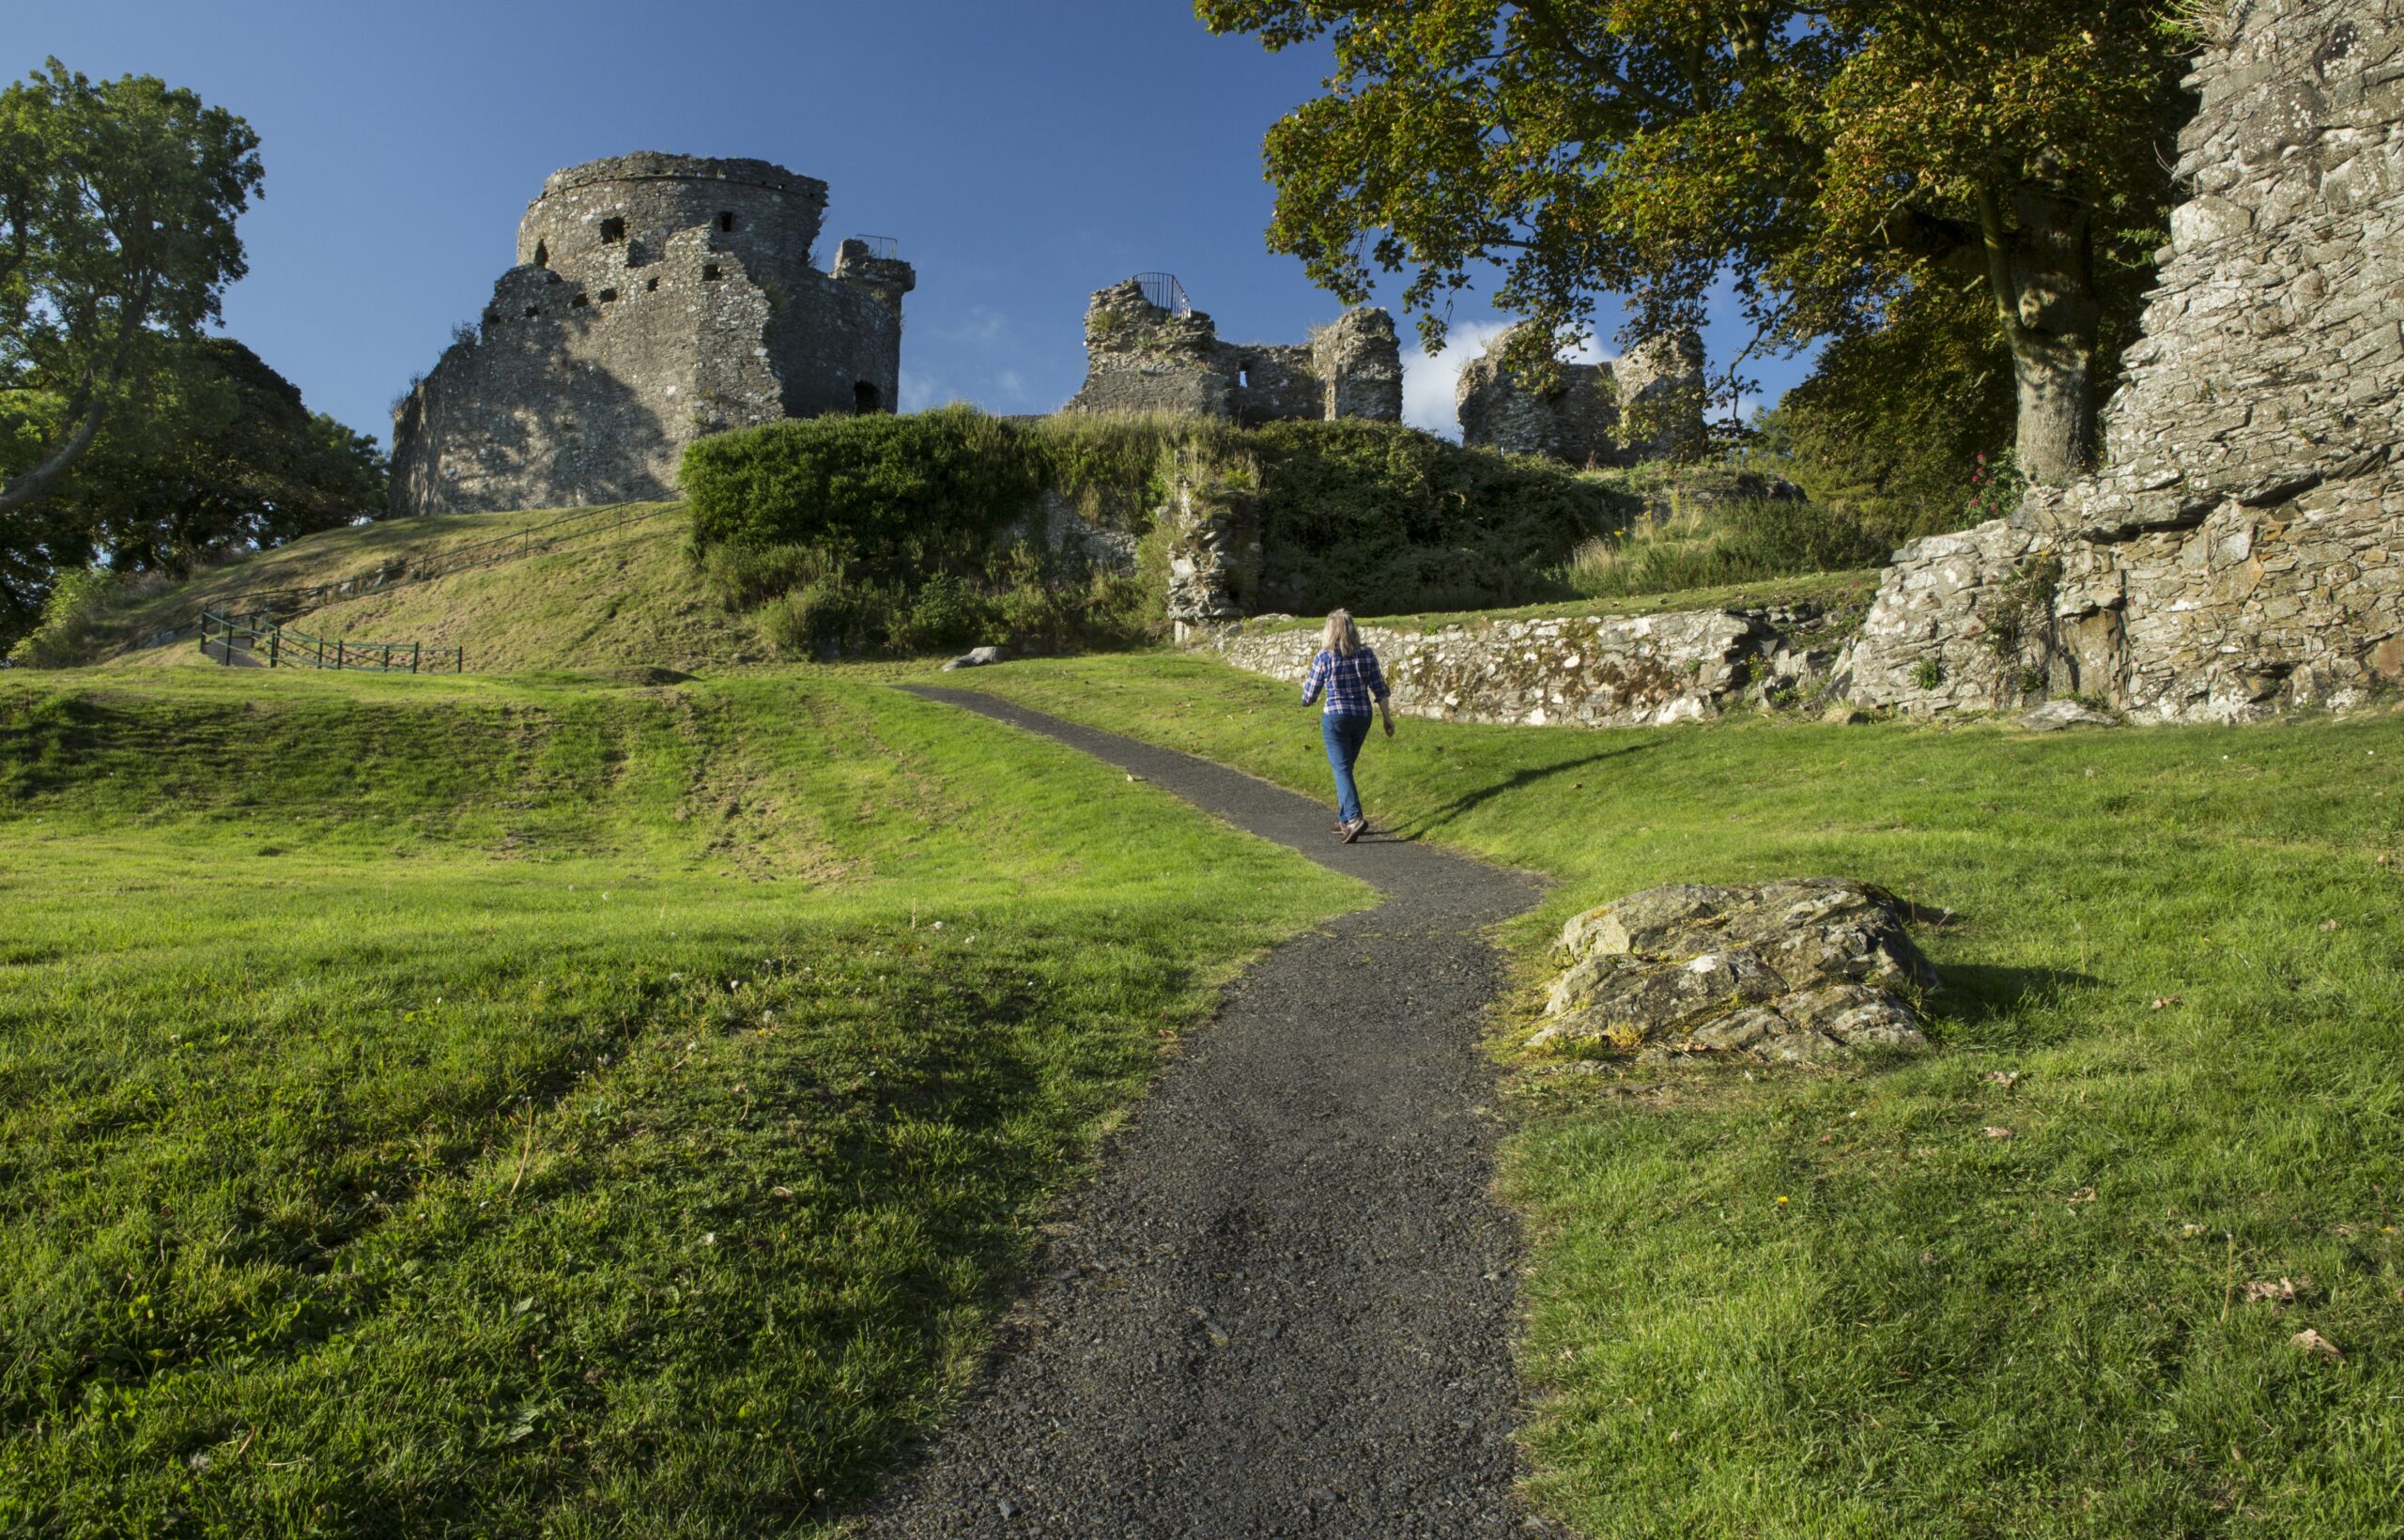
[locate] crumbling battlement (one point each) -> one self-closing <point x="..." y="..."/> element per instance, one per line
<point x="1142" y="357"/>
<point x="656" y="298"/>
<point x="2242" y="550"/>
<point x="1647" y="405"/>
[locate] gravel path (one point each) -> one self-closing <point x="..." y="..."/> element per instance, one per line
<point x="1284" y="1305"/>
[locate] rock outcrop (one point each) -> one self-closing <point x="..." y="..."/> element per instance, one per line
<point x="1792" y="970"/>
<point x="2243" y="551"/>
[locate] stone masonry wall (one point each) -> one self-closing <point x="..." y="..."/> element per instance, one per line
<point x="658" y="299"/>
<point x="1637" y="670"/>
<point x="1648" y="405"/>
<point x="1141" y="358"/>
<point x="2242" y="550"/>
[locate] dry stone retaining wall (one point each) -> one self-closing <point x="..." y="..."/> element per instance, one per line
<point x="2243" y="549"/>
<point x="1583" y="670"/>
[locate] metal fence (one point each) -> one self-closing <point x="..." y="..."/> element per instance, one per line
<point x="1165" y="291"/>
<point x="256" y="641"/>
<point x="884" y="248"/>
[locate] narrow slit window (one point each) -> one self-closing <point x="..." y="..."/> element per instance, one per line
<point x="1243" y="377"/>
<point x="612" y="231"/>
<point x="650" y="286"/>
<point x="709" y="271"/>
<point x="542" y="254"/>
<point x="725" y="221"/>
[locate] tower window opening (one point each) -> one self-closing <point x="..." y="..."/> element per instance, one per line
<point x="612" y="230"/>
<point x="865" y="398"/>
<point x="533" y="310"/>
<point x="650" y="286"/>
<point x="579" y="302"/>
<point x="709" y="271"/>
<point x="1243" y="377"/>
<point x="726" y="221"/>
<point x="542" y="254"/>
<point x="608" y="295"/>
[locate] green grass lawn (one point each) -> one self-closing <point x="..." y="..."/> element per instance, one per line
<point x="502" y="1107"/>
<point x="1833" y="1304"/>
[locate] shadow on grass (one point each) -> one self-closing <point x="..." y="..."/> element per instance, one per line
<point x="1468" y="801"/>
<point x="2002" y="1006"/>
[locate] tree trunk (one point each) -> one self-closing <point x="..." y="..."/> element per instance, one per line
<point x="35" y="484"/>
<point x="2041" y="271"/>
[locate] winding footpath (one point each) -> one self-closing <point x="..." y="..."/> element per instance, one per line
<point x="1285" y="1304"/>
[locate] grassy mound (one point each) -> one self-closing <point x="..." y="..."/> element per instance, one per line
<point x="517" y="1106"/>
<point x="2001" y="1290"/>
<point x="618" y="589"/>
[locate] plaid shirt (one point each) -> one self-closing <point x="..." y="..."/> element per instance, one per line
<point x="1351" y="682"/>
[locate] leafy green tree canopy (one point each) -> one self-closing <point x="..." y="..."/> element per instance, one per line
<point x="117" y="203"/>
<point x="1825" y="158"/>
<point x="225" y="459"/>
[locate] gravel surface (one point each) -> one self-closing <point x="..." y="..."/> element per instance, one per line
<point x="1285" y="1303"/>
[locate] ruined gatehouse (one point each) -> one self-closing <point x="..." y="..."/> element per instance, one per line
<point x="1148" y="350"/>
<point x="656" y="298"/>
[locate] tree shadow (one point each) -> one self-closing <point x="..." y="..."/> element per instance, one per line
<point x="1517" y="780"/>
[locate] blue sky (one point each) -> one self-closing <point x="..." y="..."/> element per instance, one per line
<point x="1023" y="155"/>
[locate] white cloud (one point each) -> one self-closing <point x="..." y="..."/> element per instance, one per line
<point x="1012" y="387"/>
<point x="918" y="392"/>
<point x="984" y="327"/>
<point x="1427" y="379"/>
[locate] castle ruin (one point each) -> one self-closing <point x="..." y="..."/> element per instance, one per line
<point x="2242" y="551"/>
<point x="656" y="298"/>
<point x="1148" y="350"/>
<point x="1646" y="406"/>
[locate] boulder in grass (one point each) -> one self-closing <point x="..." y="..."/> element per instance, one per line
<point x="1796" y="970"/>
<point x="2056" y="715"/>
<point x="975" y="657"/>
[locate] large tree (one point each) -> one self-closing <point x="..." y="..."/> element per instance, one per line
<point x="117" y="203"/>
<point x="1824" y="158"/>
<point x="225" y="459"/>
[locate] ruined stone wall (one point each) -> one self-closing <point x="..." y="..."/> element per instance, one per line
<point x="1141" y="358"/>
<point x="1636" y="670"/>
<point x="1646" y="406"/>
<point x="2242" y="550"/>
<point x="658" y="299"/>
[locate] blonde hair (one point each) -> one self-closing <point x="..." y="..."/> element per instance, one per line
<point x="1342" y="637"/>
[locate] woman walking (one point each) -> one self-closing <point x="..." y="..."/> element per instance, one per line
<point x="1347" y="673"/>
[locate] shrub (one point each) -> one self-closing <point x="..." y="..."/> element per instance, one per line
<point x="1738" y="542"/>
<point x="79" y="606"/>
<point x="931" y="527"/>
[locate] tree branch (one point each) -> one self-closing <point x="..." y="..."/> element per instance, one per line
<point x="1547" y="17"/>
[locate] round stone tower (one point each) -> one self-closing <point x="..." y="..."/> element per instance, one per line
<point x="605" y="216"/>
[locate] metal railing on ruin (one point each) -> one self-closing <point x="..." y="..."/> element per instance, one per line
<point x="256" y="641"/>
<point x="1165" y="292"/>
<point x="883" y="248"/>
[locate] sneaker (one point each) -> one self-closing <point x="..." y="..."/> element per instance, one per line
<point x="1353" y="830"/>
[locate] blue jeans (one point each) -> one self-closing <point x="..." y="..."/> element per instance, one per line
<point x="1345" y="736"/>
